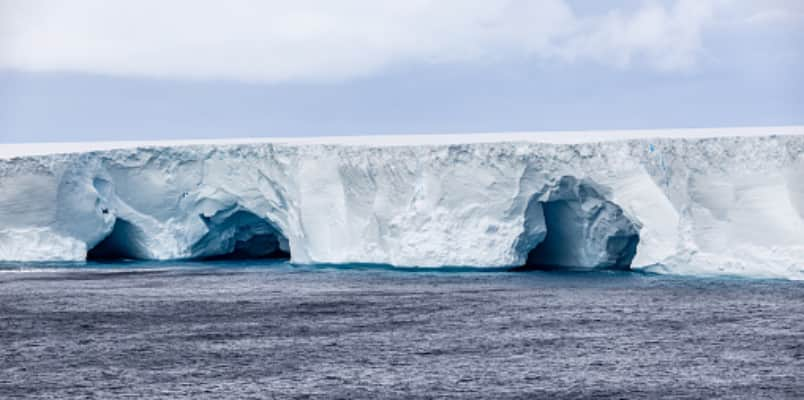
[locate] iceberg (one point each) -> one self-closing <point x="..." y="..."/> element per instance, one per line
<point x="702" y="202"/>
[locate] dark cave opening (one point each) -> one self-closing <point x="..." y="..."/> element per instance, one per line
<point x="582" y="230"/>
<point x="244" y="236"/>
<point x="252" y="249"/>
<point x="578" y="239"/>
<point x="238" y="235"/>
<point x="124" y="242"/>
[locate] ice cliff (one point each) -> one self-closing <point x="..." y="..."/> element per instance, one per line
<point x="695" y="202"/>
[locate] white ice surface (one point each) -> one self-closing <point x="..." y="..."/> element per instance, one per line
<point x="710" y="201"/>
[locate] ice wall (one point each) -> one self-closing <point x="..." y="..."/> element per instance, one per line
<point x="702" y="205"/>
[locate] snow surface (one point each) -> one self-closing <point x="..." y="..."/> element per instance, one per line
<point x="703" y="202"/>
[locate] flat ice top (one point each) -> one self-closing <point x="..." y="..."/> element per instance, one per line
<point x="8" y="150"/>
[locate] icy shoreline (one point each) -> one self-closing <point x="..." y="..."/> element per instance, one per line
<point x="722" y="201"/>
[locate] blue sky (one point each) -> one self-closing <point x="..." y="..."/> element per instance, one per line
<point x="98" y="70"/>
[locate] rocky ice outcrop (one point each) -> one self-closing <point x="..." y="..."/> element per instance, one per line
<point x="686" y="203"/>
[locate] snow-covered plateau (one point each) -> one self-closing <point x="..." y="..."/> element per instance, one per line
<point x="702" y="202"/>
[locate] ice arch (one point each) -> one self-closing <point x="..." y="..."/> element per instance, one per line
<point x="240" y="234"/>
<point x="234" y="233"/>
<point x="581" y="229"/>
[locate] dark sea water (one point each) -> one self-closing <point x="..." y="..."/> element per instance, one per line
<point x="271" y="330"/>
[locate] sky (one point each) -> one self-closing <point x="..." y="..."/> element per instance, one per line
<point x="90" y="70"/>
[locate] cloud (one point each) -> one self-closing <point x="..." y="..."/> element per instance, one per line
<point x="304" y="40"/>
<point x="664" y="38"/>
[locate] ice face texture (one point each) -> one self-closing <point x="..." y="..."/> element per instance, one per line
<point x="693" y="204"/>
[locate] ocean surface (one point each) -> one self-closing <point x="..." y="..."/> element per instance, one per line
<point x="267" y="329"/>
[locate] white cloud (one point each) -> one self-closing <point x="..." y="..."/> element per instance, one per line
<point x="664" y="38"/>
<point x="270" y="40"/>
